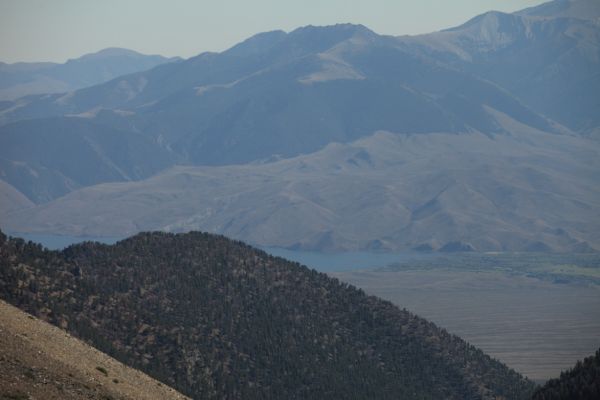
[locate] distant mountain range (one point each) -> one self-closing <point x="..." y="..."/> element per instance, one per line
<point x="546" y="56"/>
<point x="493" y="105"/>
<point x="25" y="78"/>
<point x="383" y="192"/>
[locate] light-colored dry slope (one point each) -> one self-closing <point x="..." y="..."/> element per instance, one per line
<point x="40" y="361"/>
<point x="11" y="199"/>
<point x="525" y="191"/>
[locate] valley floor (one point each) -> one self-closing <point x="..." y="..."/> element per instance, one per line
<point x="536" y="326"/>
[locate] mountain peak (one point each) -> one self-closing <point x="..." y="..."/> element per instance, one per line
<point x="486" y="19"/>
<point x="581" y="9"/>
<point x="309" y="37"/>
<point x="110" y="52"/>
<point x="339" y="31"/>
<point x="493" y="29"/>
<point x="257" y="43"/>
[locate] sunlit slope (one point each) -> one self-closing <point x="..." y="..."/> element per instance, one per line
<point x="41" y="361"/>
<point x="524" y="191"/>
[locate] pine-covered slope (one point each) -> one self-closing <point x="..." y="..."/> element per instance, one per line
<point x="218" y="319"/>
<point x="580" y="383"/>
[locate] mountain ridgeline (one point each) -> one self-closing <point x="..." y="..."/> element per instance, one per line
<point x="26" y="78"/>
<point x="215" y="318"/>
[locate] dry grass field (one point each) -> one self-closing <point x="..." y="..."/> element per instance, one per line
<point x="536" y="326"/>
<point x="41" y="362"/>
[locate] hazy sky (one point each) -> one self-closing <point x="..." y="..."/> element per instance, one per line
<point x="55" y="30"/>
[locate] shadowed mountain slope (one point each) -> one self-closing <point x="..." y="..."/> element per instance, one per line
<point x="289" y="94"/>
<point x="218" y="319"/>
<point x="45" y="159"/>
<point x="11" y="199"/>
<point x="275" y="94"/>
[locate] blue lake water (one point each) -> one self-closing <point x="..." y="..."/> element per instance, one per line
<point x="332" y="262"/>
<point x="324" y="262"/>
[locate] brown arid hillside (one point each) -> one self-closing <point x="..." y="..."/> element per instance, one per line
<point x="41" y="361"/>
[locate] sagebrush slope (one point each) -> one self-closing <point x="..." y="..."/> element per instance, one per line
<point x="40" y="361"/>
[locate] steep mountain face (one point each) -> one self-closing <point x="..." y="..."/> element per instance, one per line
<point x="218" y="319"/>
<point x="48" y="158"/>
<point x="22" y="79"/>
<point x="532" y="191"/>
<point x="11" y="199"/>
<point x="547" y="56"/>
<point x="300" y="92"/>
<point x="276" y="94"/>
<point x="579" y="383"/>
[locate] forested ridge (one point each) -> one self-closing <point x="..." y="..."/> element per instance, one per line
<point x="582" y="382"/>
<point x="216" y="318"/>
